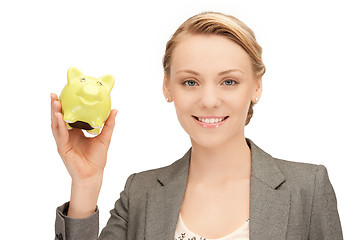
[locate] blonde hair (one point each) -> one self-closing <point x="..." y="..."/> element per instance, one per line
<point x="224" y="25"/>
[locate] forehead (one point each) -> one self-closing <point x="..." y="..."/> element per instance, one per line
<point x="205" y="52"/>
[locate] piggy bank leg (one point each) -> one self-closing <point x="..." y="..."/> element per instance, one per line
<point x="69" y="118"/>
<point x="96" y="125"/>
<point x="94" y="131"/>
<point x="68" y="126"/>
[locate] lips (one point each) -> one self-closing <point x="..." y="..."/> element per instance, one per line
<point x="197" y="118"/>
<point x="210" y="125"/>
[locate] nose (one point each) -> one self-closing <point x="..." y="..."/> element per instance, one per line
<point x="209" y="97"/>
<point x="91" y="91"/>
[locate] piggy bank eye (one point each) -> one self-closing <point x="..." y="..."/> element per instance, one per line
<point x="99" y="83"/>
<point x="83" y="80"/>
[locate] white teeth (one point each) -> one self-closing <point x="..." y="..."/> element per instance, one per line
<point x="210" y="120"/>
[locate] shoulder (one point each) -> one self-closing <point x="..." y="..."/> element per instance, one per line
<point x="295" y="170"/>
<point x="312" y="197"/>
<point x="302" y="176"/>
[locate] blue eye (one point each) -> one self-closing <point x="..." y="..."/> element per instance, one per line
<point x="189" y="81"/>
<point x="230" y="82"/>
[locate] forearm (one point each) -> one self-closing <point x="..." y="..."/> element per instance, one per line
<point x="84" y="196"/>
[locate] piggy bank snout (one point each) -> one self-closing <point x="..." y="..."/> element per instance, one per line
<point x="90" y="92"/>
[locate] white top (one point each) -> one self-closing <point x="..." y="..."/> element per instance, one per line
<point x="183" y="233"/>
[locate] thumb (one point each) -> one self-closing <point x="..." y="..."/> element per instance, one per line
<point x="106" y="132"/>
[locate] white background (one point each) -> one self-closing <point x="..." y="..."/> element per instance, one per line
<point x="308" y="112"/>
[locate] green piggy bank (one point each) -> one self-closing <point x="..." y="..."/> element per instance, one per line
<point x="85" y="101"/>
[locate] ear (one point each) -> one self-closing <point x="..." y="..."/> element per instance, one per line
<point x="74" y="73"/>
<point x="109" y="81"/>
<point x="166" y="88"/>
<point x="258" y="89"/>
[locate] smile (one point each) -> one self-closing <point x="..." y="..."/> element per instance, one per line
<point x="87" y="102"/>
<point x="210" y="122"/>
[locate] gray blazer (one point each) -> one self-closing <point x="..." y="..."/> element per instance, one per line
<point x="288" y="200"/>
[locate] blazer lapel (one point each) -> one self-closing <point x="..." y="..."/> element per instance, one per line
<point x="269" y="206"/>
<point x="164" y="202"/>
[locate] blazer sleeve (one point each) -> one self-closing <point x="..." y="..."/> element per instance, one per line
<point x="324" y="222"/>
<point x="67" y="228"/>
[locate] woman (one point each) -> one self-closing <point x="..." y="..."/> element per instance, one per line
<point x="224" y="187"/>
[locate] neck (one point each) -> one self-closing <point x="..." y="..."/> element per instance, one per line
<point x="230" y="161"/>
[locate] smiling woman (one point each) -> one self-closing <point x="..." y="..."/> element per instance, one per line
<point x="225" y="187"/>
<point x="236" y="35"/>
<point x="211" y="77"/>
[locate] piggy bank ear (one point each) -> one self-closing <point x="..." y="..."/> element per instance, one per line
<point x="74" y="73"/>
<point x="108" y="80"/>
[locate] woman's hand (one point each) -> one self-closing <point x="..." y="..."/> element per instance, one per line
<point x="84" y="158"/>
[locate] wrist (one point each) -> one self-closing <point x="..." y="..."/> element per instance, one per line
<point x="89" y="182"/>
<point x="84" y="196"/>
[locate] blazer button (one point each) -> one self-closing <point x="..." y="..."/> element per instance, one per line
<point x="59" y="236"/>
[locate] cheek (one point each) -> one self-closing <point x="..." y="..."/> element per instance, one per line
<point x="183" y="106"/>
<point x="240" y="102"/>
<point x="183" y="102"/>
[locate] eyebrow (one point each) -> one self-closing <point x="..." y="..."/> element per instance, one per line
<point x="219" y="74"/>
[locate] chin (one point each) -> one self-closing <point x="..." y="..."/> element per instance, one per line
<point x="207" y="142"/>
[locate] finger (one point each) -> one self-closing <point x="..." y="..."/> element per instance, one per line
<point x="54" y="122"/>
<point x="55" y="129"/>
<point x="63" y="134"/>
<point x="53" y="97"/>
<point x="106" y="132"/>
<point x="56" y="109"/>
